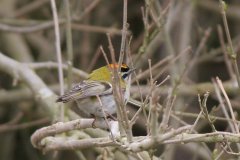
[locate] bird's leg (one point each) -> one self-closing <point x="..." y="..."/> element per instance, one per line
<point x="95" y="119"/>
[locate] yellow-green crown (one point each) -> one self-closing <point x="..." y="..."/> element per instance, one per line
<point x="103" y="73"/>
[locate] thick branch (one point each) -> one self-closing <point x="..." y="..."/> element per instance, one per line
<point x="71" y="125"/>
<point x="40" y="91"/>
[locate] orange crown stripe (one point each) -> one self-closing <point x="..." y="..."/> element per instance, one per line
<point x="122" y="66"/>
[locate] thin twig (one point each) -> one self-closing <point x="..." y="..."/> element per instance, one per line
<point x="88" y="9"/>
<point x="69" y="45"/>
<point x="117" y="92"/>
<point x="142" y="107"/>
<point x="46" y="25"/>
<point x="150" y="71"/>
<point x="36" y="28"/>
<point x="167" y="78"/>
<point x="49" y="65"/>
<point x="203" y="107"/>
<point x="146" y="35"/>
<point x="105" y="56"/>
<point x="233" y="54"/>
<point x="98" y="29"/>
<point x="199" y="49"/>
<point x="117" y="87"/>
<point x="106" y="120"/>
<point x="228" y="102"/>
<point x="7" y="128"/>
<point x="59" y="55"/>
<point x="154" y="115"/>
<point x="154" y="67"/>
<point x="170" y="63"/>
<point x="178" y="82"/>
<point x="222" y="105"/>
<point x="124" y="35"/>
<point x="196" y="121"/>
<point x="94" y="59"/>
<point x="224" y="50"/>
<point x="169" y="104"/>
<point x="14" y="120"/>
<point x="32" y="6"/>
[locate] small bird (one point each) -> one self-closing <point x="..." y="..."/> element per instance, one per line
<point x="99" y="83"/>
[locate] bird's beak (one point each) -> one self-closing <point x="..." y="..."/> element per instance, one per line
<point x="132" y="70"/>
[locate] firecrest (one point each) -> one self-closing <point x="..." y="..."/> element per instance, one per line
<point x="99" y="83"/>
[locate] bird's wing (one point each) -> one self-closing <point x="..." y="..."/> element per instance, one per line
<point x="94" y="88"/>
<point x="85" y="89"/>
<point x="78" y="87"/>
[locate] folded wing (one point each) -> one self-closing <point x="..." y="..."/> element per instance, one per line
<point x="85" y="89"/>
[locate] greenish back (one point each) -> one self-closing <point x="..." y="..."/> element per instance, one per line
<point x="101" y="74"/>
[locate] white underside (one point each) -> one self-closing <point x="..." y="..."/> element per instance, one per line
<point x="91" y="106"/>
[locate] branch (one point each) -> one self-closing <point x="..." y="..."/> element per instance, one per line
<point x="7" y="128"/>
<point x="68" y="126"/>
<point x="54" y="65"/>
<point x="39" y="89"/>
<point x="41" y="140"/>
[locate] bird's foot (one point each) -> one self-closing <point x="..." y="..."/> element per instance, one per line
<point x="93" y="123"/>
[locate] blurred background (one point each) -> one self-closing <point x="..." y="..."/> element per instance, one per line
<point x="27" y="35"/>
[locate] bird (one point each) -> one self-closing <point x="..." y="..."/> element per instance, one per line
<point x="98" y="83"/>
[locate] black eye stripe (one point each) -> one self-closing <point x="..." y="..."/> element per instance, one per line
<point x="125" y="75"/>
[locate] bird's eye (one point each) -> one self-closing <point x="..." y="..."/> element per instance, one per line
<point x="125" y="75"/>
